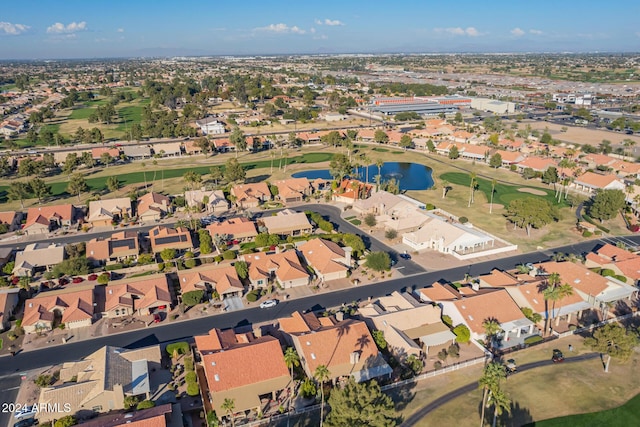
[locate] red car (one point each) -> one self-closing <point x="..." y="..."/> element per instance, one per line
<point x="157" y="318"/>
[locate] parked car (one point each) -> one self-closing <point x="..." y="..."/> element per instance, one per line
<point x="27" y="422"/>
<point x="405" y="256"/>
<point x="269" y="303"/>
<point x="25" y="411"/>
<point x="511" y="366"/>
<point x="157" y="318"/>
<point x="557" y="356"/>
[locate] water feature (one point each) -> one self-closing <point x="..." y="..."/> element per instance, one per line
<point x="411" y="176"/>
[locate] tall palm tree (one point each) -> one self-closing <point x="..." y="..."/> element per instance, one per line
<point x="229" y="405"/>
<point x="501" y="403"/>
<point x="322" y="375"/>
<point x="490" y="380"/>
<point x="365" y="160"/>
<point x="445" y="188"/>
<point x="493" y="189"/>
<point x="472" y="184"/>
<point x="491" y="329"/>
<point x="291" y="359"/>
<point x="556" y="293"/>
<point x="271" y="155"/>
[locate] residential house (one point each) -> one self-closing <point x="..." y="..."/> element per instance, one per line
<point x="140" y="296"/>
<point x="283" y="268"/>
<point x="152" y="207"/>
<point x="99" y="383"/>
<point x="328" y="260"/>
<point x="43" y="219"/>
<point x="397" y="212"/>
<point x="159" y="416"/>
<point x="104" y="213"/>
<point x="210" y="126"/>
<point x="192" y="147"/>
<point x="351" y="190"/>
<point x="137" y="152"/>
<point x="239" y="229"/>
<point x="497" y="279"/>
<point x="166" y="149"/>
<point x="477" y="153"/>
<point x="287" y="223"/>
<point x="590" y="182"/>
<point x="37" y="257"/>
<point x="538" y="164"/>
<point x="620" y="260"/>
<point x="9" y="298"/>
<point x="437" y="293"/>
<point x="245" y="368"/>
<point x="162" y="237"/>
<point x="98" y="152"/>
<point x="345" y="347"/>
<point x="11" y="219"/>
<point x="215" y="200"/>
<point x="223" y="145"/>
<point x="293" y="189"/>
<point x="408" y="326"/>
<point x="222" y="279"/>
<point x="593" y="160"/>
<point x="509" y="157"/>
<point x="119" y="247"/>
<point x="72" y="306"/>
<point x="250" y="195"/>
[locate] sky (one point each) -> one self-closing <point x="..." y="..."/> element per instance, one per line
<point x="54" y="29"/>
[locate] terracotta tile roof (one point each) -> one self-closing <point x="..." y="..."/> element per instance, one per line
<point x="497" y="305"/>
<point x="510" y="156"/>
<point x="7" y="217"/>
<point x="615" y="253"/>
<point x="255" y="362"/>
<point x="626" y="167"/>
<point x="595" y="180"/>
<point x="532" y="292"/>
<point x="577" y="275"/>
<point x="439" y="292"/>
<point x="104" y="249"/>
<point x="149" y="292"/>
<point x="292" y="187"/>
<point x="498" y="279"/>
<point x="223" y="279"/>
<point x="299" y="323"/>
<point x="163" y="237"/>
<point x="287" y="222"/>
<point x="235" y="228"/>
<point x="630" y="268"/>
<point x="152" y="201"/>
<point x="287" y="266"/>
<point x="251" y="192"/>
<point x="599" y="159"/>
<point x="43" y="214"/>
<point x="75" y="305"/>
<point x="479" y="150"/>
<point x="97" y="152"/>
<point x="106" y="209"/>
<point x="346" y="189"/>
<point x="323" y="255"/>
<point x="537" y="163"/>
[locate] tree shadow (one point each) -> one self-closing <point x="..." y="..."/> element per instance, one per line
<point x="519" y="416"/>
<point x="256" y="179"/>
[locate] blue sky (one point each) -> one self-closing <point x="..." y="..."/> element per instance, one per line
<point x="35" y="29"/>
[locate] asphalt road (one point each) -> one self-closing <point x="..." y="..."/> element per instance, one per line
<point x="422" y="412"/>
<point x="8" y="391"/>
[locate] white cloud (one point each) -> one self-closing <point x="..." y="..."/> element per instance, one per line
<point x="329" y="22"/>
<point x="518" y="32"/>
<point x="13" y="29"/>
<point x="59" y="28"/>
<point x="318" y="21"/>
<point x="536" y="32"/>
<point x="281" y="29"/>
<point x="312" y="30"/>
<point x="320" y="37"/>
<point x="459" y="31"/>
<point x="120" y="30"/>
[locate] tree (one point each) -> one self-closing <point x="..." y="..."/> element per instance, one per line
<point x="355" y="242"/>
<point x="168" y="254"/>
<point x="340" y="166"/>
<point x="70" y="163"/>
<point x="77" y="185"/>
<point x="378" y="338"/>
<point x="130" y="402"/>
<point x="370" y="220"/>
<point x="462" y="332"/>
<point x="528" y="173"/>
<point x="454" y="153"/>
<point x="113" y="184"/>
<point x="430" y="146"/>
<point x="613" y="340"/>
<point x="233" y="171"/>
<point x="18" y="190"/>
<point x="192" y="178"/>
<point x="322" y="375"/>
<point x="472" y="187"/>
<point x="491" y="329"/>
<point x="192" y="298"/>
<point x="380" y="137"/>
<point x="415" y="364"/>
<point x="292" y="360"/>
<point x="531" y="213"/>
<point x="229" y="405"/>
<point x="78" y="266"/>
<point x="606" y="204"/>
<point x="406" y="142"/>
<point x="106" y="159"/>
<point x="216" y="175"/>
<point x="493" y="190"/>
<point x="361" y="404"/>
<point x="555" y="292"/>
<point x="238" y="140"/>
<point x="493" y="373"/>
<point x="145" y="404"/>
<point x="391" y="234"/>
<point x="378" y="261"/>
<point x="66" y="421"/>
<point x="501" y="403"/>
<point x="495" y="161"/>
<point x="242" y="269"/>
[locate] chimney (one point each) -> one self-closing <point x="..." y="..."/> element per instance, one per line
<point x="354" y="357"/>
<point x="475" y="285"/>
<point x="340" y="316"/>
<point x="347" y="255"/>
<point x="257" y="332"/>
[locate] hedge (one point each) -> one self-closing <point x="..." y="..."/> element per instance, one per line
<point x="193" y="389"/>
<point x="532" y="340"/>
<point x="191" y="377"/>
<point x="116" y="266"/>
<point x="252" y="296"/>
<point x="182" y="347"/>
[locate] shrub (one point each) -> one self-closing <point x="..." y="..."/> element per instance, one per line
<point x="587" y="233"/>
<point x="378" y="337"/>
<point x="116" y="266"/>
<point x="181" y="347"/>
<point x="217" y="259"/>
<point x="67" y="421"/>
<point x="188" y="364"/>
<point x="191" y="377"/>
<point x="607" y="272"/>
<point x="532" y="340"/>
<point x="429" y="207"/>
<point x="370" y="220"/>
<point x="463" y="220"/>
<point x="229" y="254"/>
<point x="144" y="259"/>
<point x="437" y="364"/>
<point x="103" y="279"/>
<point x="146" y="404"/>
<point x="308" y="389"/>
<point x="378" y="261"/>
<point x="190" y="263"/>
<point x="130" y="402"/>
<point x="43" y="380"/>
<point x="447" y="320"/>
<point x="193" y="389"/>
<point x="193" y="297"/>
<point x="454" y="351"/>
<point x="252" y="296"/>
<point x="463" y="334"/>
<point x="391" y="234"/>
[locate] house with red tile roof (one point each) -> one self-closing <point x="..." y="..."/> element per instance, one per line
<point x="593" y="160"/>
<point x="222" y="279"/>
<point x="497" y="279"/>
<point x="509" y="157"/>
<point x="621" y="261"/>
<point x="72" y="306"/>
<point x="283" y="268"/>
<point x="158" y="416"/>
<point x="8" y="304"/>
<point x="293" y="189"/>
<point x="245" y="368"/>
<point x="473" y="152"/>
<point x="538" y="164"/>
<point x="250" y="195"/>
<point x="162" y="237"/>
<point x="11" y="219"/>
<point x="241" y="229"/>
<point x="328" y="260"/>
<point x="223" y="145"/>
<point x="591" y="181"/>
<point x="351" y="190"/>
<point x="137" y="296"/>
<point x="438" y="292"/>
<point x="152" y="206"/>
<point x="118" y="247"/>
<point x="345" y="347"/>
<point x="98" y="152"/>
<point x="43" y="219"/>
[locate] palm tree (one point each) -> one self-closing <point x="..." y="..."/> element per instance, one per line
<point x="272" y="155"/>
<point x="322" y="375"/>
<point x="472" y="184"/>
<point x="192" y="178"/>
<point x="291" y="359"/>
<point x="490" y="380"/>
<point x="229" y="405"/>
<point x="556" y="293"/>
<point x="445" y="188"/>
<point x="493" y="189"/>
<point x="365" y="160"/>
<point x="286" y="157"/>
<point x="501" y="402"/>
<point x="491" y="329"/>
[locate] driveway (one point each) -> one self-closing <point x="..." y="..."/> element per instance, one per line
<point x="233" y="303"/>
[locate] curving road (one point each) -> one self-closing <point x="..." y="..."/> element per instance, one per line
<point x="424" y="411"/>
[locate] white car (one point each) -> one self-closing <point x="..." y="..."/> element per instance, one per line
<point x="269" y="303"/>
<point x="25" y="411"/>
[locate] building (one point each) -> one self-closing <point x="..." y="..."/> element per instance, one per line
<point x="250" y="195"/>
<point x="395" y="212"/>
<point x="9" y="298"/>
<point x="283" y="268"/>
<point x="210" y="126"/>
<point x="213" y="201"/>
<point x="37" y="257"/>
<point x="328" y="260"/>
<point x="166" y="149"/>
<point x="141" y="296"/>
<point x="421" y="105"/>
<point x="245" y="368"/>
<point x="621" y="261"/>
<point x="43" y="219"/>
<point x="590" y="182"/>
<point x="222" y="279"/>
<point x="72" y="307"/>
<point x="11" y="219"/>
<point x="350" y="190"/>
<point x="152" y="207"/>
<point x="235" y="229"/>
<point x="493" y="105"/>
<point x="287" y="223"/>
<point x="98" y="152"/>
<point x="106" y="213"/>
<point x="170" y="238"/>
<point x="345" y="347"/>
<point x="99" y="383"/>
<point x="166" y="415"/>
<point x="119" y="247"/>
<point x="409" y="327"/>
<point x="537" y="164"/>
<point x="293" y="189"/>
<point x="137" y="152"/>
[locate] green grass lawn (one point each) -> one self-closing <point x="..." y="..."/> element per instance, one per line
<point x="625" y="415"/>
<point x="504" y="193"/>
<point x="81" y="113"/>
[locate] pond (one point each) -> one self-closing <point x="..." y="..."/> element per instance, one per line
<point x="412" y="176"/>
